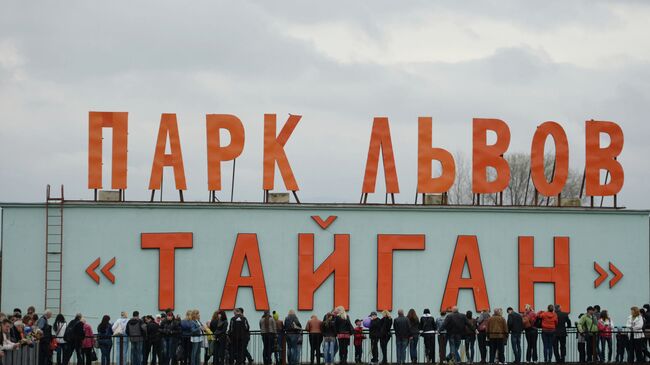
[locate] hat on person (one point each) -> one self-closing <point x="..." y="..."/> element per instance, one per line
<point x="373" y="313"/>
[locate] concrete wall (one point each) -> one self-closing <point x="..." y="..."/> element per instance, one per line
<point x="113" y="230"/>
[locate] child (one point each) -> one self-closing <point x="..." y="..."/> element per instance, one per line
<point x="358" y="341"/>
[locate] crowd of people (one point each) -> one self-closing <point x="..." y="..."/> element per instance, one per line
<point x="168" y="339"/>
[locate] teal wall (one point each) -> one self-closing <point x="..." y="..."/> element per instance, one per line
<point x="113" y="230"/>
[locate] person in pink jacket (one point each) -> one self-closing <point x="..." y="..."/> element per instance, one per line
<point x="87" y="343"/>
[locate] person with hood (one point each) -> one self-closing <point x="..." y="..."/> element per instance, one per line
<point x="497" y="332"/>
<point x="328" y="329"/>
<point x="315" y="339"/>
<point x="455" y="324"/>
<point x="88" y="343"/>
<point x="219" y="328"/>
<point x="428" y="328"/>
<point x="402" y="335"/>
<point x="470" y="336"/>
<point x="374" y="332"/>
<point x="239" y="331"/>
<point x="414" y="334"/>
<point x="170" y="330"/>
<point x="105" y="339"/>
<point x="515" y="327"/>
<point x="481" y="337"/>
<point x="121" y="342"/>
<point x="442" y="336"/>
<point x="386" y="325"/>
<point x="563" y="322"/>
<point x="293" y="328"/>
<point x="529" y="319"/>
<point x="548" y="320"/>
<point x="153" y="342"/>
<point x="267" y="329"/>
<point x="344" y="331"/>
<point x="136" y="331"/>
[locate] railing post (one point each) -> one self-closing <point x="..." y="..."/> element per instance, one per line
<point x="121" y="350"/>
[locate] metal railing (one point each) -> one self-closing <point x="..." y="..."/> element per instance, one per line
<point x="119" y="350"/>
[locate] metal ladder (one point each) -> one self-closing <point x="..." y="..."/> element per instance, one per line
<point x="53" y="251"/>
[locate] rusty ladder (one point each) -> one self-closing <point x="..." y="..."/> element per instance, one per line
<point x="53" y="250"/>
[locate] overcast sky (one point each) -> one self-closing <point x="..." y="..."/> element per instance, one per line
<point x="337" y="63"/>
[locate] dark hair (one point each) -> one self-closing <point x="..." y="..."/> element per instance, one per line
<point x="604" y="314"/>
<point x="5" y="321"/>
<point x="551" y="308"/>
<point x="469" y="314"/>
<point x="59" y="319"/>
<point x="18" y="310"/>
<point x="136" y="314"/>
<point x="412" y="316"/>
<point x="590" y="308"/>
<point x="509" y="309"/>
<point x="427" y="311"/>
<point x="104" y="323"/>
<point x="597" y="308"/>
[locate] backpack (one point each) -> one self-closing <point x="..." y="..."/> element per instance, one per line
<point x="69" y="335"/>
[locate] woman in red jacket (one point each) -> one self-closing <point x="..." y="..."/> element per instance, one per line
<point x="88" y="342"/>
<point x="549" y="322"/>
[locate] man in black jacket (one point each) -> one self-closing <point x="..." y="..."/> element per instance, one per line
<point x="455" y="324"/>
<point x="563" y="323"/>
<point x="73" y="336"/>
<point x="402" y="335"/>
<point x="386" y="325"/>
<point x="374" y="333"/>
<point x="515" y="327"/>
<point x="239" y="331"/>
<point x="152" y="343"/>
<point x="170" y="330"/>
<point x="428" y="328"/>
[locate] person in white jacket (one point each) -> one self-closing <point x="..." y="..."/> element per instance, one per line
<point x="121" y="343"/>
<point x="635" y="324"/>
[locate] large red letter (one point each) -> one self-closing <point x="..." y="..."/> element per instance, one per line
<point x="337" y="263"/>
<point x="246" y="250"/>
<point x="168" y="127"/>
<point x="561" y="159"/>
<point x="217" y="153"/>
<point x="380" y="141"/>
<point x="427" y="184"/>
<point x="484" y="156"/>
<point x="386" y="244"/>
<point x="119" y="122"/>
<point x="466" y="251"/>
<point x="274" y="152"/>
<point x="166" y="243"/>
<point x="559" y="274"/>
<point x="598" y="158"/>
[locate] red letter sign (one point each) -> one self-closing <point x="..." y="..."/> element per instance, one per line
<point x="119" y="122"/>
<point x="561" y="159"/>
<point x="466" y="252"/>
<point x="529" y="274"/>
<point x="166" y="243"/>
<point x="484" y="156"/>
<point x="217" y="153"/>
<point x="274" y="152"/>
<point x="168" y="127"/>
<point x="427" y="184"/>
<point x="380" y="141"/>
<point x="337" y="263"/>
<point x="246" y="250"/>
<point x="386" y="244"/>
<point x="603" y="159"/>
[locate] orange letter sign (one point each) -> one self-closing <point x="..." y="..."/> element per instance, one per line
<point x="386" y="244"/>
<point x="466" y="251"/>
<point x="558" y="274"/>
<point x="484" y="156"/>
<point x="119" y="122"/>
<point x="217" y="153"/>
<point x="246" y="249"/>
<point x="166" y="243"/>
<point x="274" y="152"/>
<point x="168" y="127"/>
<point x="380" y="141"/>
<point x="427" y="184"/>
<point x="561" y="159"/>
<point x="598" y="158"/>
<point x="337" y="263"/>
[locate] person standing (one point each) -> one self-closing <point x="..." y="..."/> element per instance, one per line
<point x="315" y="339"/>
<point x="136" y="331"/>
<point x="238" y="330"/>
<point x="328" y="330"/>
<point x="530" y="327"/>
<point x="470" y="336"/>
<point x="635" y="324"/>
<point x="170" y="329"/>
<point x="59" y="329"/>
<point x="74" y="334"/>
<point x="88" y="342"/>
<point x="344" y="331"/>
<point x="197" y="338"/>
<point x="267" y="329"/>
<point x="455" y="324"/>
<point x="442" y="337"/>
<point x="358" y="341"/>
<point x="293" y="329"/>
<point x="605" y="327"/>
<point x="105" y="339"/>
<point x="280" y="338"/>
<point x="402" y="334"/>
<point x="219" y="328"/>
<point x="563" y="323"/>
<point x="515" y="327"/>
<point x="588" y="327"/>
<point x="153" y="342"/>
<point x="386" y="325"/>
<point x="414" y="334"/>
<point x="497" y="332"/>
<point x="549" y="321"/>
<point x="121" y="342"/>
<point x="45" y="339"/>
<point x="428" y="328"/>
<point x="374" y="332"/>
<point x="482" y="334"/>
